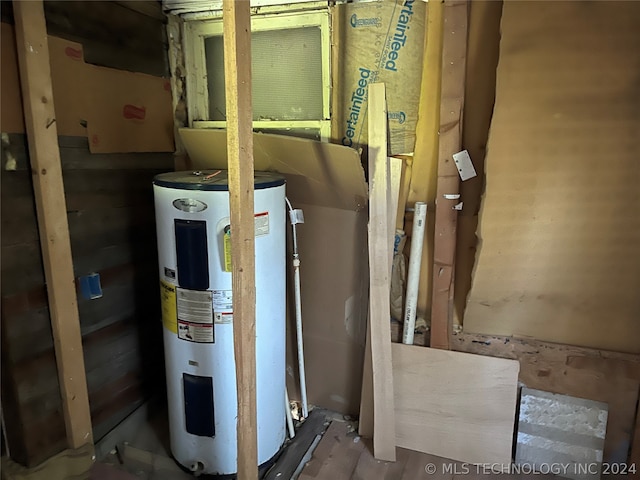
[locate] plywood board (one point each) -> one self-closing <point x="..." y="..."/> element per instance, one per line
<point x="560" y="230"/>
<point x="455" y="405"/>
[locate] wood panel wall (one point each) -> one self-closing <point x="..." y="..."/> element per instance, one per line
<point x="112" y="35"/>
<point x="112" y="228"/>
<point x="111" y="222"/>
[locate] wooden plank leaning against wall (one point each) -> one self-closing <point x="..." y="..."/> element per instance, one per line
<point x="380" y="253"/>
<point x="35" y="74"/>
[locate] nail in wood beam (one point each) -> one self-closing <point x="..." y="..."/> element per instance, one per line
<point x="237" y="63"/>
<point x="42" y="135"/>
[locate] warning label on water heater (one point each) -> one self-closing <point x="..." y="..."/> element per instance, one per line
<point x="168" y="302"/>
<point x="223" y="306"/>
<point x="261" y="223"/>
<point x="195" y="316"/>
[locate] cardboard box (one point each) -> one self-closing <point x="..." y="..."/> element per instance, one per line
<point x="327" y="182"/>
<point x="70" y="92"/>
<point x="67" y="78"/>
<point x="120" y="111"/>
<point x="378" y="42"/>
<point x="129" y="112"/>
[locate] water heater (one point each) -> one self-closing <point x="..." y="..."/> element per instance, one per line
<point x="194" y="249"/>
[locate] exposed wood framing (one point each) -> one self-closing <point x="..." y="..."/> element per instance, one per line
<point x="450" y="138"/>
<point x="379" y="280"/>
<point x="237" y="64"/>
<point x="35" y="76"/>
<point x="423" y="177"/>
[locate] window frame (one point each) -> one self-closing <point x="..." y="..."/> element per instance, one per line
<point x="195" y="32"/>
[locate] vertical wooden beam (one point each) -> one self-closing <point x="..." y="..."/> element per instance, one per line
<point x="450" y="139"/>
<point x="384" y="437"/>
<point x="237" y="63"/>
<point x="396" y="172"/>
<point x="42" y="135"/>
<point x="422" y="187"/>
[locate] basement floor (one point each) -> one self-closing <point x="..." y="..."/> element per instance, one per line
<point x="341" y="454"/>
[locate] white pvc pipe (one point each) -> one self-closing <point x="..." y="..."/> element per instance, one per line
<point x="287" y="405"/>
<point x="298" y="301"/>
<point x="303" y="380"/>
<point x="413" y="277"/>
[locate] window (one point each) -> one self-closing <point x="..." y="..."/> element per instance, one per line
<point x="290" y="69"/>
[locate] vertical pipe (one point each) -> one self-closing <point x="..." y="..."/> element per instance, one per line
<point x="303" y="379"/>
<point x="287" y="406"/>
<point x="413" y="280"/>
<point x="296" y="217"/>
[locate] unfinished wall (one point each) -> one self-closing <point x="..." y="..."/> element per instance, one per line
<point x="111" y="222"/>
<point x="483" y="45"/>
<point x="559" y="228"/>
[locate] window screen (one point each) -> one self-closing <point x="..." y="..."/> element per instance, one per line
<point x="286" y="75"/>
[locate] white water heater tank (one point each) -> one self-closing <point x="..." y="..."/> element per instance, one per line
<point x="194" y="239"/>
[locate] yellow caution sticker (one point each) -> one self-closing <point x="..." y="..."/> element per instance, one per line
<point x="169" y="308"/>
<point x="227" y="248"/>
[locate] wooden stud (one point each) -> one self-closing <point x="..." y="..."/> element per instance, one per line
<point x="237" y="63"/>
<point x="379" y="281"/>
<point x="422" y="186"/>
<point x="42" y="134"/>
<point x="450" y="139"/>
